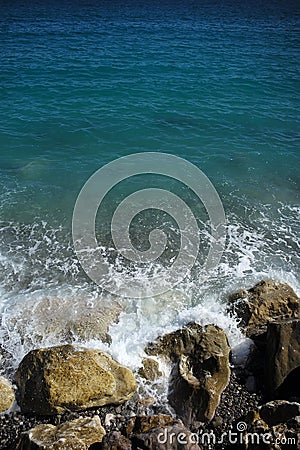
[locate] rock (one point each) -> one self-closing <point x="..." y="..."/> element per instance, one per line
<point x="79" y="434"/>
<point x="265" y="302"/>
<point x="160" y="432"/>
<point x="177" y="343"/>
<point x="53" y="380"/>
<point x="62" y="319"/>
<point x="7" y="394"/>
<point x="142" y="424"/>
<point x="279" y="411"/>
<point x="199" y="378"/>
<point x="282" y="363"/>
<point x="273" y="426"/>
<point x="116" y="441"/>
<point x="150" y="370"/>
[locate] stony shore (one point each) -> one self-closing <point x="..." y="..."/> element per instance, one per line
<point x="71" y="388"/>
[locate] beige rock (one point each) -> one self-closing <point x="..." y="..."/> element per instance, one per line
<point x="265" y="302"/>
<point x="150" y="369"/>
<point x="53" y="380"/>
<point x="7" y="394"/>
<point x="78" y="434"/>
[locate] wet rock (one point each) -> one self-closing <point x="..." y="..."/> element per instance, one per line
<point x="7" y="394"/>
<point x="177" y="343"/>
<point x="63" y="319"/>
<point x="150" y="369"/>
<point x="53" y="380"/>
<point x="265" y="302"/>
<point x="199" y="378"/>
<point x="79" y="434"/>
<point x="282" y="363"/>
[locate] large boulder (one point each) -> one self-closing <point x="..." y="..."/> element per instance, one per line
<point x="282" y="360"/>
<point x="53" y="380"/>
<point x="201" y="371"/>
<point x="265" y="302"/>
<point x="78" y="434"/>
<point x="200" y="376"/>
<point x="7" y="394"/>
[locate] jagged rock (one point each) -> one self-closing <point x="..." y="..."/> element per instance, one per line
<point x="199" y="378"/>
<point x="53" y="380"/>
<point x="282" y="363"/>
<point x="79" y="434"/>
<point x="150" y="369"/>
<point x="266" y="301"/>
<point x="7" y="394"/>
<point x="161" y="432"/>
<point x="273" y="426"/>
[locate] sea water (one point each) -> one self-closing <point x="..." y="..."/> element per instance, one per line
<point x="84" y="83"/>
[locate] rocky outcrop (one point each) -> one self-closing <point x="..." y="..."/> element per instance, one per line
<point x="150" y="369"/>
<point x="199" y="378"/>
<point x="201" y="371"/>
<point x="79" y="434"/>
<point x="282" y="361"/>
<point x="265" y="302"/>
<point x="7" y="394"/>
<point x="53" y="380"/>
<point x="272" y="426"/>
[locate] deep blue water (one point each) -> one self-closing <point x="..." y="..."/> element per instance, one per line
<point x="83" y="83"/>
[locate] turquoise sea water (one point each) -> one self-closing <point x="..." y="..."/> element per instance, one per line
<point x="83" y="83"/>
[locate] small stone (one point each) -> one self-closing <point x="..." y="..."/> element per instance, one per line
<point x="7" y="394"/>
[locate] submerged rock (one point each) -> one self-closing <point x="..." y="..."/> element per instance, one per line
<point x="69" y="319"/>
<point x="79" y="434"/>
<point x="282" y="362"/>
<point x="266" y="301"/>
<point x="7" y="394"/>
<point x="53" y="380"/>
